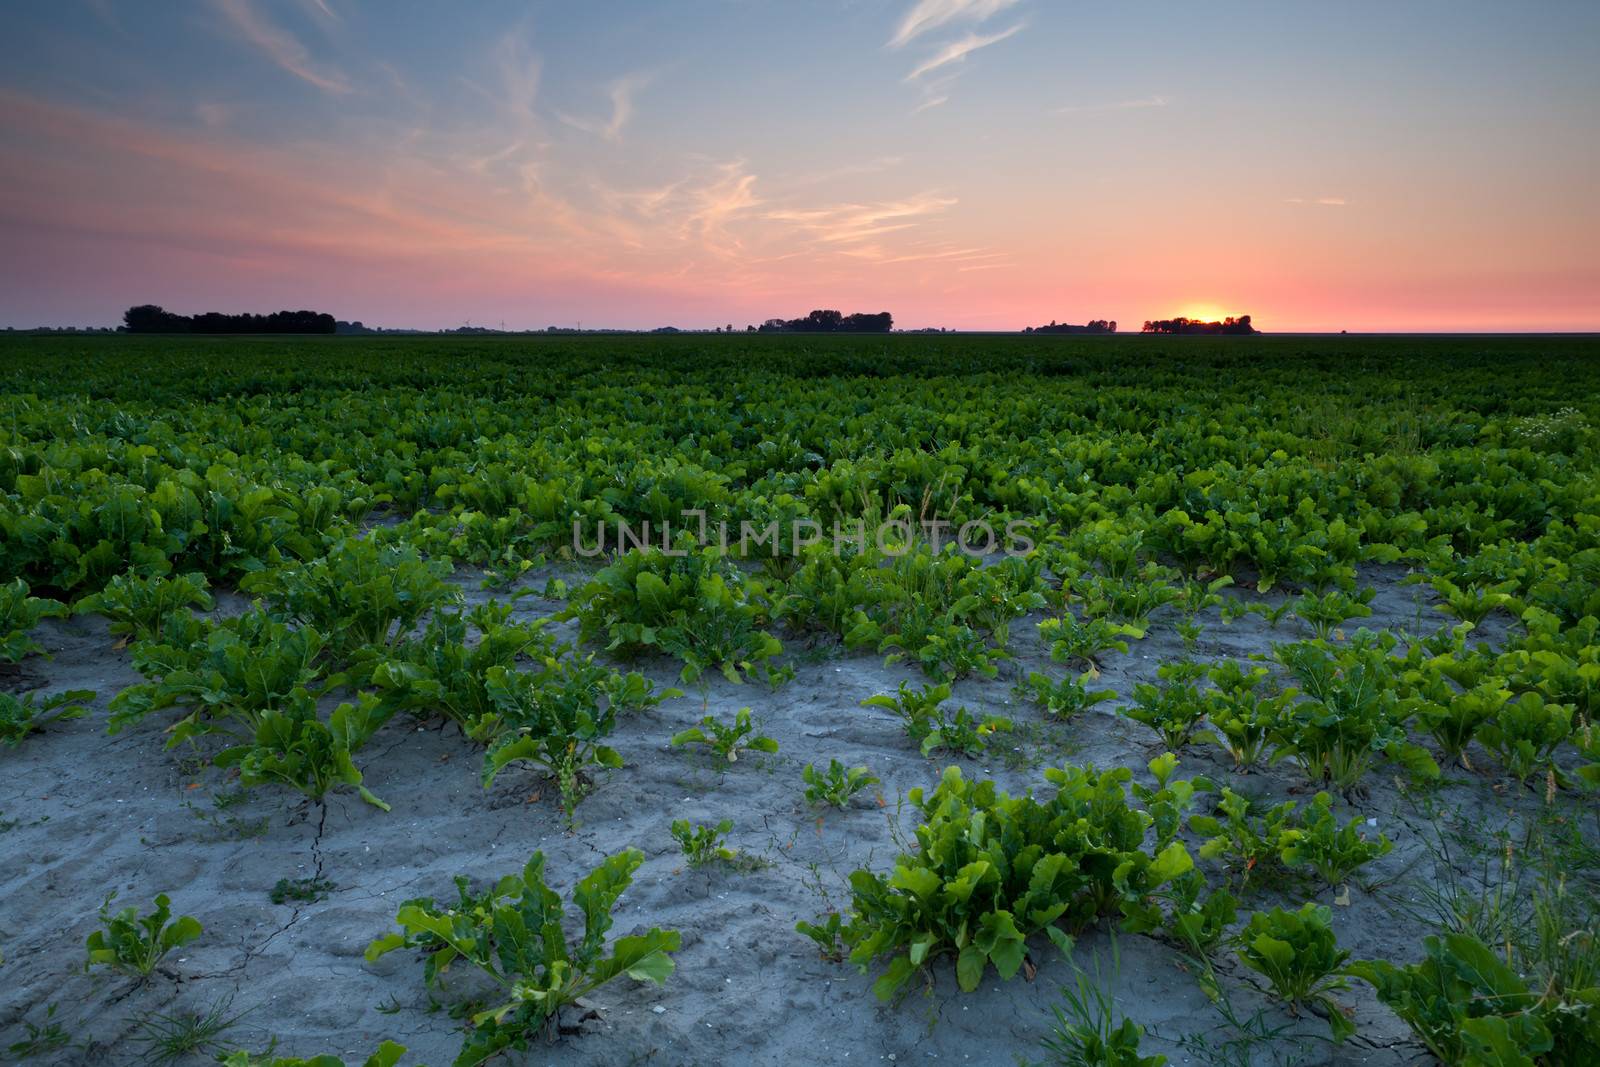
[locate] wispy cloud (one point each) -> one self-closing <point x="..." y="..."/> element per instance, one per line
<point x="929" y="104"/>
<point x="621" y="93"/>
<point x="929" y="15"/>
<point x="957" y="51"/>
<point x="1320" y="201"/>
<point x="1120" y="105"/>
<point x="280" y="46"/>
<point x="852" y="223"/>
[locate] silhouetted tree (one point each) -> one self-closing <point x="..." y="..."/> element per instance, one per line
<point x="151" y="318"/>
<point x="824" y="321"/>
<point x="1181" y="325"/>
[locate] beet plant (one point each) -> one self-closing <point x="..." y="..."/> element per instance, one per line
<point x="19" y="614"/>
<point x="726" y="740"/>
<point x="516" y="934"/>
<point x="142" y="608"/>
<point x="22" y="716"/>
<point x="558" y="718"/>
<point x="292" y="746"/>
<point x="1297" y="953"/>
<point x="136" y="944"/>
<point x="836" y="786"/>
<point x="990" y="870"/>
<point x="1334" y="850"/>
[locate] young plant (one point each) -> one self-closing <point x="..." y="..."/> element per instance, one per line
<point x="515" y="935"/>
<point x="1454" y="717"/>
<point x="724" y="739"/>
<point x="1084" y="642"/>
<point x="1244" y="712"/>
<point x="19" y="614"/>
<point x="135" y="945"/>
<point x="835" y="786"/>
<point x="1352" y="714"/>
<point x="1249" y="842"/>
<point x="1525" y="732"/>
<point x="1064" y="697"/>
<point x="555" y="720"/>
<point x="931" y="726"/>
<point x="989" y="870"/>
<point x="827" y="935"/>
<point x="1467" y="1006"/>
<point x="294" y="747"/>
<point x="19" y="718"/>
<point x="364" y="595"/>
<point x="703" y="844"/>
<point x="1173" y="709"/>
<point x="1335" y="852"/>
<point x="693" y="604"/>
<point x="140" y="608"/>
<point x="1326" y="613"/>
<point x="1298" y="955"/>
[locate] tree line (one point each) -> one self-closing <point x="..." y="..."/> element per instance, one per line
<point x="1229" y="325"/>
<point x="152" y="318"/>
<point x="821" y="321"/>
<point x="1092" y="326"/>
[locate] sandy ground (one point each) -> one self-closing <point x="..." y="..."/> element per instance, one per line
<point x="90" y="814"/>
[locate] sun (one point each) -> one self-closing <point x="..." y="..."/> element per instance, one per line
<point x="1204" y="312"/>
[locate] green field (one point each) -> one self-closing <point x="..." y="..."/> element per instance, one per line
<point x="345" y="591"/>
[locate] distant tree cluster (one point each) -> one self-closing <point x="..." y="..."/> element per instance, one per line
<point x="1229" y="325"/>
<point x="832" y="322"/>
<point x="1092" y="326"/>
<point x="152" y="318"/>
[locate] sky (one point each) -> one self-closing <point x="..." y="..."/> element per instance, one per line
<point x="972" y="164"/>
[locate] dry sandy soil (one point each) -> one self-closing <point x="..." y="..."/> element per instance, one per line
<point x="87" y="815"/>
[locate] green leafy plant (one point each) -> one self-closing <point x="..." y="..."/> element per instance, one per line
<point x="1468" y="1007"/>
<point x="19" y="718"/>
<point x="556" y="720"/>
<point x="1352" y="715"/>
<point x="929" y="724"/>
<point x="1318" y="841"/>
<point x="990" y="870"/>
<point x="693" y="604"/>
<point x="224" y="674"/>
<point x="1064" y="697"/>
<point x="1326" y="613"/>
<point x="295" y="747"/>
<point x="445" y="672"/>
<point x="1454" y="717"/>
<point x="827" y="935"/>
<point x="1249" y="841"/>
<point x="19" y="614"/>
<point x="1084" y="641"/>
<point x="726" y="740"/>
<point x="135" y="944"/>
<point x="362" y="594"/>
<point x="1173" y="709"/>
<point x="836" y="785"/>
<point x="703" y="844"/>
<point x="141" y="608"/>
<point x="515" y="935"/>
<point x="1244" y="711"/>
<point x="1297" y="953"/>
<point x="1525" y="732"/>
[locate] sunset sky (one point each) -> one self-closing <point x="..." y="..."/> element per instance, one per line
<point x="976" y="164"/>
